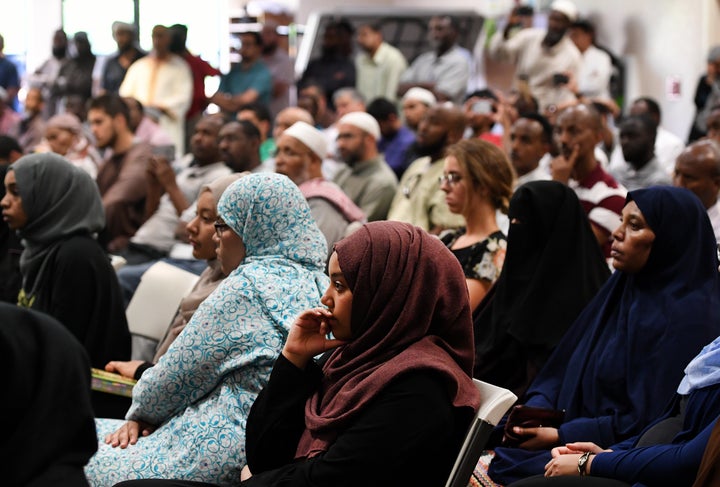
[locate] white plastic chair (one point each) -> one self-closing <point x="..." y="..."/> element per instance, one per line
<point x="494" y="403"/>
<point x="154" y="304"/>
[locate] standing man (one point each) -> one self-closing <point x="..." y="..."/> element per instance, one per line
<point x="46" y="74"/>
<point x="8" y="75"/>
<point x="247" y="82"/>
<point x="577" y="131"/>
<point x="121" y="178"/>
<point x="128" y="52"/>
<point x="698" y="169"/>
<point x="544" y="59"/>
<point x="419" y="199"/>
<point x="593" y="79"/>
<point x="446" y="69"/>
<point x="366" y="178"/>
<point x="379" y="66"/>
<point x="162" y="81"/>
<point x="200" y="70"/>
<point x="280" y="65"/>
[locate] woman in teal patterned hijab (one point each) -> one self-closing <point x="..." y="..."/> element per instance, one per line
<point x="188" y="413"/>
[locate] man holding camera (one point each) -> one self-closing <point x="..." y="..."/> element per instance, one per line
<point x="545" y="59"/>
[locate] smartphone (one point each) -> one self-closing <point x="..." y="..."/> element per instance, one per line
<point x="483" y="107"/>
<point x="560" y="79"/>
<point x="166" y="151"/>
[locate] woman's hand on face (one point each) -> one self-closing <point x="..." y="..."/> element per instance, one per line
<point x="129" y="433"/>
<point x="537" y="438"/>
<point x="308" y="337"/>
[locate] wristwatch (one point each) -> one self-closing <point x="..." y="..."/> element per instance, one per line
<point x="582" y="463"/>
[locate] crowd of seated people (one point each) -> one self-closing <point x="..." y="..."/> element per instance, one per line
<point x="571" y="244"/>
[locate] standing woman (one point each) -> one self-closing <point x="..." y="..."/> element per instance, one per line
<point x="57" y="211"/>
<point x="477" y="181"/>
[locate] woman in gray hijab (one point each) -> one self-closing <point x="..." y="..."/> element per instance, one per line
<point x="56" y="209"/>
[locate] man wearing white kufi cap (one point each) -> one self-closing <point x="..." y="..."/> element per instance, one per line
<point x="543" y="58"/>
<point x="300" y="151"/>
<point x="415" y="103"/>
<point x="366" y="178"/>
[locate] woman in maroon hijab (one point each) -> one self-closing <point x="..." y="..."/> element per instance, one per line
<point x="394" y="397"/>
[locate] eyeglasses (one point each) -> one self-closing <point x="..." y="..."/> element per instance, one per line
<point x="220" y="228"/>
<point x="451" y="179"/>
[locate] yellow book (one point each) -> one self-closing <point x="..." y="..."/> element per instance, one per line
<point x="112" y="383"/>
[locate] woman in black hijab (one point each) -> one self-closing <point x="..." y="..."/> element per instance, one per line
<point x="50" y="434"/>
<point x="552" y="269"/>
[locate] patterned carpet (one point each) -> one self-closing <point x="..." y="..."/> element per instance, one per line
<point x="480" y="476"/>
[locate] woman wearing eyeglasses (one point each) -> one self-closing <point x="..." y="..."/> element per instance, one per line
<point x="188" y="413"/>
<point x="477" y="181"/>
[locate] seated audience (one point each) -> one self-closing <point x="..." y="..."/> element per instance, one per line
<point x="64" y="135"/>
<point x="670" y="451"/>
<point x="531" y="140"/>
<point x="698" y="169"/>
<point x="57" y="212"/>
<point x="552" y="269"/>
<point x="32" y="125"/>
<point x="419" y="199"/>
<point x="415" y="103"/>
<point x="482" y="116"/>
<point x="188" y="411"/>
<point x="10" y="245"/>
<point x="260" y="116"/>
<point x="396" y="138"/>
<point x="392" y="398"/>
<point x="477" y="181"/>
<point x="667" y="145"/>
<point x="616" y="368"/>
<point x="299" y="156"/>
<point x="144" y="126"/>
<point x="366" y="178"/>
<point x="578" y="131"/>
<point x="47" y="395"/>
<point x="640" y="167"/>
<point x="121" y="178"/>
<point x="201" y="231"/>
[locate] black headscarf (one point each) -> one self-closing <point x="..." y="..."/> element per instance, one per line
<point x="49" y="433"/>
<point x="553" y="268"/>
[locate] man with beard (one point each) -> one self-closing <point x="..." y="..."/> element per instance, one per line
<point x="544" y="59"/>
<point x="419" y="199"/>
<point x="379" y="65"/>
<point x="577" y="131"/>
<point x="366" y="178"/>
<point x="334" y="68"/>
<point x="640" y="167"/>
<point x="280" y="65"/>
<point x="121" y="178"/>
<point x="445" y="69"/>
<point x="75" y="76"/>
<point x="48" y="71"/>
<point x="239" y="146"/>
<point x="128" y="52"/>
<point x="162" y="81"/>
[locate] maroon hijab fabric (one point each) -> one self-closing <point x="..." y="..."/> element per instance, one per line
<point x="410" y="311"/>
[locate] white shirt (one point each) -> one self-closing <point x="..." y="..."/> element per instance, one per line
<point x="594" y="76"/>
